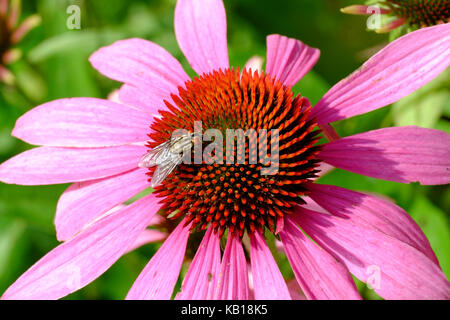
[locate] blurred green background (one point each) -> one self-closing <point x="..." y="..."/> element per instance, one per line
<point x="55" y="65"/>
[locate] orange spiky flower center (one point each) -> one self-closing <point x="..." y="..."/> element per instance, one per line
<point x="239" y="197"/>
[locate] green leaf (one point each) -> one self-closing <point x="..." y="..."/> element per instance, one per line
<point x="443" y="125"/>
<point x="11" y="249"/>
<point x="312" y="86"/>
<point x="30" y="82"/>
<point x="425" y="106"/>
<point x="73" y="41"/>
<point x="10" y="232"/>
<point x="34" y="204"/>
<point x="420" y="111"/>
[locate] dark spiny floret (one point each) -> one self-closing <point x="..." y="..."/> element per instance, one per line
<point x="238" y="197"/>
<point x="421" y="13"/>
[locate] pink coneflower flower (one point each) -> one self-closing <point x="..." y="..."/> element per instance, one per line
<point x="411" y="13"/>
<point x="11" y="33"/>
<point x="327" y="232"/>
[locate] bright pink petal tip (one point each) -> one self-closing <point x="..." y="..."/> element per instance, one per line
<point x="319" y="275"/>
<point x="372" y="212"/>
<point x="268" y="282"/>
<point x="52" y="165"/>
<point x="232" y="283"/>
<point x="399" y="69"/>
<point x="402" y="154"/>
<point x="82" y="122"/>
<point x="198" y="284"/>
<point x="157" y="280"/>
<point x="76" y="263"/>
<point x="356" y="9"/>
<point x="364" y="10"/>
<point x="394" y="269"/>
<point x="201" y="30"/>
<point x="144" y="65"/>
<point x="288" y="60"/>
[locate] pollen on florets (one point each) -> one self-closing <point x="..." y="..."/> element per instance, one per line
<point x="421" y="13"/>
<point x="413" y="14"/>
<point x="238" y="197"/>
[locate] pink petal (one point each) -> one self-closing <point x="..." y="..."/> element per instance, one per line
<point x="140" y="63"/>
<point x="232" y="283"/>
<point x="372" y="212"/>
<point x="394" y="269"/>
<point x="145" y="101"/>
<point x="82" y="202"/>
<point x="157" y="280"/>
<point x="147" y="236"/>
<point x="255" y="63"/>
<point x="267" y="279"/>
<point x="198" y="284"/>
<point x="143" y="65"/>
<point x="312" y="205"/>
<point x="320" y="276"/>
<point x="324" y="169"/>
<point x="402" y="154"/>
<point x="201" y="30"/>
<point x="399" y="69"/>
<point x="113" y="96"/>
<point x="75" y="263"/>
<point x="295" y="291"/>
<point x="394" y="24"/>
<point x="288" y="59"/>
<point x="51" y="165"/>
<point x="82" y="122"/>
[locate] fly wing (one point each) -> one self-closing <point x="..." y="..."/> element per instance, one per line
<point x="156" y="156"/>
<point x="164" y="169"/>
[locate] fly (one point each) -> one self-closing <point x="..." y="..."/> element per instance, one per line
<point x="167" y="156"/>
